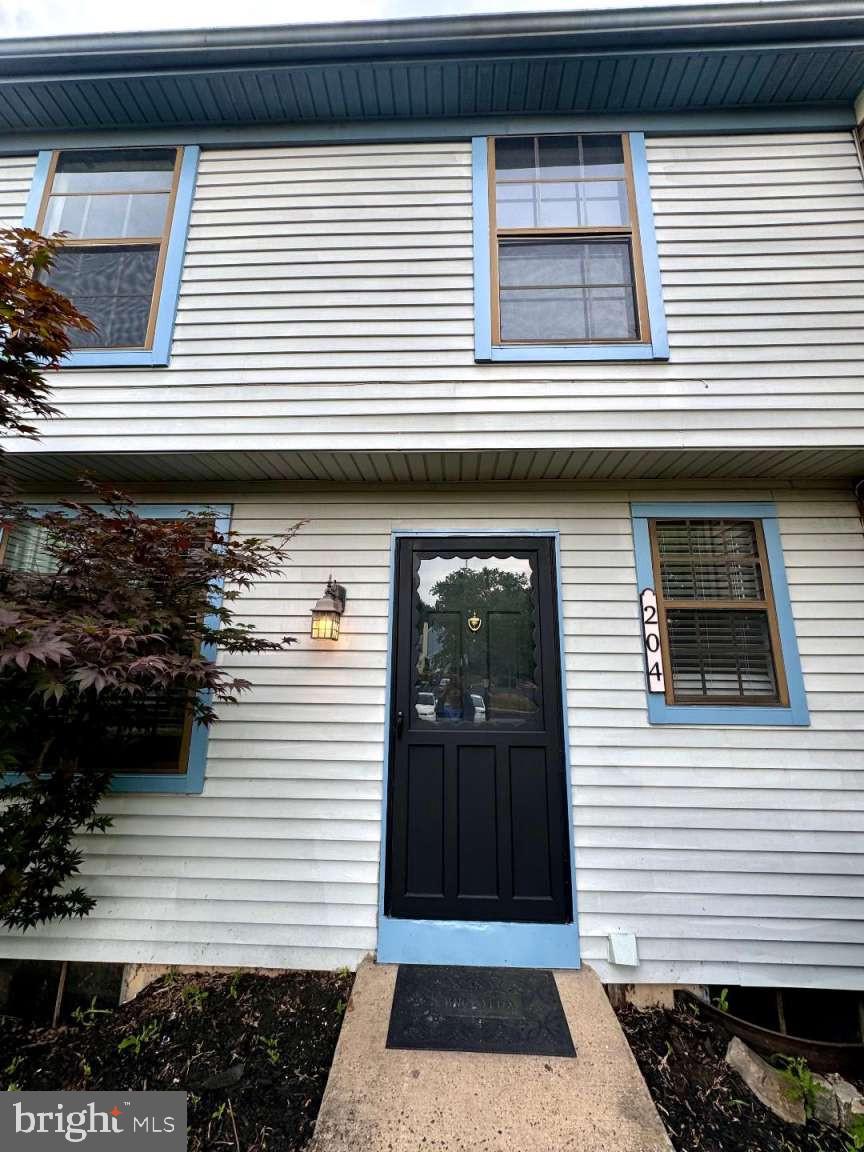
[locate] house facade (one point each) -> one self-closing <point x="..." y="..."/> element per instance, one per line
<point x="548" y="332"/>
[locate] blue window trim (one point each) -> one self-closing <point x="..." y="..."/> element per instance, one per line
<point x="169" y="292"/>
<point x="659" y="711"/>
<point x="475" y="942"/>
<point x="191" y="781"/>
<point x="485" y="350"/>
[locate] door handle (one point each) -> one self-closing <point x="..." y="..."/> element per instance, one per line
<point x="400" y="722"/>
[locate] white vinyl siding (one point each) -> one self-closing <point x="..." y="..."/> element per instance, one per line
<point x="327" y="304"/>
<point x="735" y="855"/>
<point x="16" y="177"/>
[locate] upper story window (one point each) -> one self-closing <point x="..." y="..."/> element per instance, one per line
<point x="566" y="267"/>
<point x="116" y="207"/>
<point x="720" y="643"/>
<point x="565" y="256"/>
<point x="126" y="213"/>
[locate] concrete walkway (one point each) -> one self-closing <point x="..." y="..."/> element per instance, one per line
<point x="382" y="1100"/>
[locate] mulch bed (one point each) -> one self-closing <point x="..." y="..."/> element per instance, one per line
<point x="251" y="1051"/>
<point x="705" y="1106"/>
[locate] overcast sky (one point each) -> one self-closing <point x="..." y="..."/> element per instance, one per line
<point x="65" y="17"/>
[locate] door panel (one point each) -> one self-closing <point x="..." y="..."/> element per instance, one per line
<point x="478" y="811"/>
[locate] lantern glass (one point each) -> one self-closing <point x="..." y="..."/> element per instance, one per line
<point x="325" y="625"/>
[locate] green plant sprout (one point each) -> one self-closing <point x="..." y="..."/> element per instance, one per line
<point x="799" y="1083"/>
<point x="148" y="1032"/>
<point x="86" y="1016"/>
<point x="270" y="1045"/>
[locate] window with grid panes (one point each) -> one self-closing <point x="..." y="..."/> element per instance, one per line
<point x="565" y="252"/>
<point x="718" y="626"/>
<point x="116" y="206"/>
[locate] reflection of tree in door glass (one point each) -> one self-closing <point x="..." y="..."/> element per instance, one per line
<point x="476" y="656"/>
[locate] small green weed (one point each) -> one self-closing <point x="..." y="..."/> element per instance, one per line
<point x="270" y="1044"/>
<point x="192" y="995"/>
<point x="234" y="986"/>
<point x="138" y="1040"/>
<point x="722" y="1001"/>
<point x="856" y="1135"/>
<point x="86" y="1017"/>
<point x="10" y="1070"/>
<point x="798" y="1081"/>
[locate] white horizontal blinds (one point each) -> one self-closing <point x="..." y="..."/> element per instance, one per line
<point x="116" y="207"/>
<point x="564" y="245"/>
<point x="23" y="548"/>
<point x="715" y="603"/>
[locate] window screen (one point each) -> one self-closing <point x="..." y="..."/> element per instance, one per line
<point x="116" y="207"/>
<point x="717" y="619"/>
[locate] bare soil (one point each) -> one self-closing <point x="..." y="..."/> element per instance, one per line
<point x="705" y="1106"/>
<point x="252" y="1052"/>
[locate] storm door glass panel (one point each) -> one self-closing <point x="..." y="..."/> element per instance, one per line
<point x="476" y="643"/>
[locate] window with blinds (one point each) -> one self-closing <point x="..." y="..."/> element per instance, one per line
<point x="116" y="206"/>
<point x="149" y="735"/>
<point x="718" y="627"/>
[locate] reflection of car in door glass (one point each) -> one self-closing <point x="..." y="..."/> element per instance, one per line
<point x="425" y="706"/>
<point x="479" y="709"/>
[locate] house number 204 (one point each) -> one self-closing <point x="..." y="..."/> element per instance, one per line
<point x="651" y="640"/>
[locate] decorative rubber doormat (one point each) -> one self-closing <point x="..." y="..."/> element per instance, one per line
<point x="516" y="1011"/>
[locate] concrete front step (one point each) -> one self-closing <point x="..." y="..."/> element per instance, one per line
<point x="383" y="1100"/>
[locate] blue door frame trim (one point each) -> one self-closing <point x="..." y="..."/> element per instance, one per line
<point x="475" y="942"/>
<point x="659" y="711"/>
<point x="159" y="353"/>
<point x="486" y="351"/>
<point x="191" y="781"/>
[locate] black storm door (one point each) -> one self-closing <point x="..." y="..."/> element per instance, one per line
<point x="478" y="808"/>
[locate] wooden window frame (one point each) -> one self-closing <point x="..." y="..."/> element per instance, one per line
<point x="766" y="604"/>
<point x="122" y="241"/>
<point x="630" y="232"/>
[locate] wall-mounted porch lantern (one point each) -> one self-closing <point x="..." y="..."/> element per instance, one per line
<point x="328" y="611"/>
